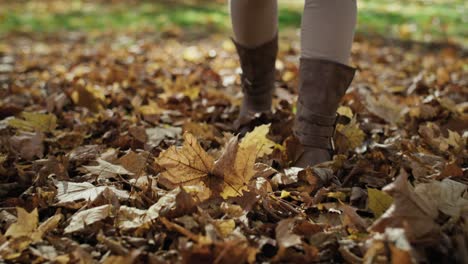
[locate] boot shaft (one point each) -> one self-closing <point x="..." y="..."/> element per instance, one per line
<point x="258" y="66"/>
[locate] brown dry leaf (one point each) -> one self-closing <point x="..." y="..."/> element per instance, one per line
<point x="34" y="122"/>
<point x="409" y="211"/>
<point x="82" y="219"/>
<point x="131" y="257"/>
<point x="431" y="133"/>
<point x="134" y="162"/>
<point x="25" y="224"/>
<point x="448" y="196"/>
<point x="285" y="235"/>
<point x="384" y="107"/>
<point x="351" y="218"/>
<point x="28" y="145"/>
<point x="107" y="170"/>
<point x="392" y="244"/>
<point x="89" y="96"/>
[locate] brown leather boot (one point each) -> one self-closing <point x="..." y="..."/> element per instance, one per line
<point x="258" y="80"/>
<point x="322" y="84"/>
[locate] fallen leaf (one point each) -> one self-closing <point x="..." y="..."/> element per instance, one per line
<point x="106" y="169"/>
<point x="236" y="164"/>
<point x="284" y="233"/>
<point x="46" y="226"/>
<point x="386" y="108"/>
<point x="157" y="134"/>
<point x="225" y="227"/>
<point x="89" y="96"/>
<point x="82" y="219"/>
<point x="70" y="192"/>
<point x="448" y="196"/>
<point x="28" y="145"/>
<point x="34" y="122"/>
<point x="258" y="139"/>
<point x="171" y="204"/>
<point x="134" y="162"/>
<point x="379" y="201"/>
<point x="408" y="211"/>
<point x="352" y="136"/>
<point x="187" y="165"/>
<point x="24" y="225"/>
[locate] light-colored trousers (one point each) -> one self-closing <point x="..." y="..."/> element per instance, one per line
<point x="327" y="29"/>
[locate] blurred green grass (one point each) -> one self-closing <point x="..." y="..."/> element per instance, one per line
<point x="419" y="20"/>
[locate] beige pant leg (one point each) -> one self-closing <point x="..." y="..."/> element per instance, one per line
<point x="327" y="29"/>
<point x="254" y="22"/>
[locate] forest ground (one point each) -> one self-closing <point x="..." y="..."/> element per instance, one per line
<point x="89" y="171"/>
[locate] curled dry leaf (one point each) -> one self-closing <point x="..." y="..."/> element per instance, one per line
<point x="106" y="169"/>
<point x="83" y="219"/>
<point x="71" y="192"/>
<point x="173" y="203"/>
<point x="157" y="134"/>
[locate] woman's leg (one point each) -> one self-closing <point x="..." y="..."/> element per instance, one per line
<point x="254" y="22"/>
<point x="327" y="29"/>
<point x="327" y="34"/>
<point x="255" y="26"/>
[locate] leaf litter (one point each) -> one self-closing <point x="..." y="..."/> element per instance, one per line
<point x="121" y="148"/>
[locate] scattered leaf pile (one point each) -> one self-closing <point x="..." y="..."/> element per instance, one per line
<point x="121" y="148"/>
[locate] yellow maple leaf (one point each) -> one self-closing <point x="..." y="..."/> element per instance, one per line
<point x="24" y="225"/>
<point x="34" y="122"/>
<point x="379" y="201"/>
<point x="152" y="108"/>
<point x="236" y="165"/>
<point x="258" y="139"/>
<point x="191" y="165"/>
<point x="353" y="134"/>
<point x="224" y="227"/>
<point x="345" y="111"/>
<point x="186" y="165"/>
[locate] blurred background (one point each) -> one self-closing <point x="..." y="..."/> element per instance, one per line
<point x="412" y="20"/>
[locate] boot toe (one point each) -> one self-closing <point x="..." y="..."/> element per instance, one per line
<point x="312" y="156"/>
